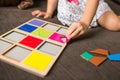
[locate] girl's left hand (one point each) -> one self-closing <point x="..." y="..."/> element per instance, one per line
<point x="39" y="13"/>
<point x="76" y="29"/>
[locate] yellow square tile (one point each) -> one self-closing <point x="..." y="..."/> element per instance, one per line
<point x="38" y="61"/>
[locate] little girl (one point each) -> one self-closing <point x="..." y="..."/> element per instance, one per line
<point x="81" y="15"/>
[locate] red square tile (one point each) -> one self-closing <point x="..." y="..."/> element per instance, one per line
<point x="31" y="41"/>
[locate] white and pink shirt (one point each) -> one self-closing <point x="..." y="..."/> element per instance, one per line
<point x="70" y="11"/>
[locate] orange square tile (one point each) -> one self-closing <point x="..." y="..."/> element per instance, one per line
<point x="97" y="60"/>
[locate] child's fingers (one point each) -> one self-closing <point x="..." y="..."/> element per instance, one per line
<point x="36" y="12"/>
<point x="71" y="29"/>
<point x="47" y="16"/>
<point x="40" y="14"/>
<point x="33" y="13"/>
<point x="76" y="33"/>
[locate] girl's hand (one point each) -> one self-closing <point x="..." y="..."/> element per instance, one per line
<point x="76" y="29"/>
<point x="39" y="13"/>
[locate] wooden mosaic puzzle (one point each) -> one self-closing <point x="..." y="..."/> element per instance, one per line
<point x="33" y="46"/>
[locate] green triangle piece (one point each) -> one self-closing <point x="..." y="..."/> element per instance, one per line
<point x="87" y="55"/>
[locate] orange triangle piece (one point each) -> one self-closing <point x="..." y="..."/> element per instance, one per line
<point x="100" y="51"/>
<point x="97" y="60"/>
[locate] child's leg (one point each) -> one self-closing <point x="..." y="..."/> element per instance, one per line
<point x="25" y="4"/>
<point x="110" y="21"/>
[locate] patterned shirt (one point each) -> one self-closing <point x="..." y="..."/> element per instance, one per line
<point x="69" y="12"/>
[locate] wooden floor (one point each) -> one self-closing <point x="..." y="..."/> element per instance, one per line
<point x="70" y="66"/>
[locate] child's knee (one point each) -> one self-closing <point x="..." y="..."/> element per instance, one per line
<point x="115" y="26"/>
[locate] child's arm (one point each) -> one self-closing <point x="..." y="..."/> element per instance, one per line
<point x="51" y="6"/>
<point x="79" y="28"/>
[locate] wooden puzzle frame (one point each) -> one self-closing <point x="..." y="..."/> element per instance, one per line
<point x="25" y="40"/>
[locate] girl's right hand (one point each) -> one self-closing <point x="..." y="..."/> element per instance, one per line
<point x="39" y="13"/>
<point x="76" y="29"/>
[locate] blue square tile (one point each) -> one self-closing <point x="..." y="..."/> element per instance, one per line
<point x="37" y="22"/>
<point x="27" y="28"/>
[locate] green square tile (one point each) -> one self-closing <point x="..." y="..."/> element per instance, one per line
<point x="42" y="32"/>
<point x="87" y="55"/>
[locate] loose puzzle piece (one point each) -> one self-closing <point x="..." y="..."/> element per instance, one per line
<point x="114" y="57"/>
<point x="100" y="51"/>
<point x="97" y="60"/>
<point x="86" y="55"/>
<point x="101" y="57"/>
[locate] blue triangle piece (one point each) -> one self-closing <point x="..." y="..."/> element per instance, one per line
<point x="115" y="57"/>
